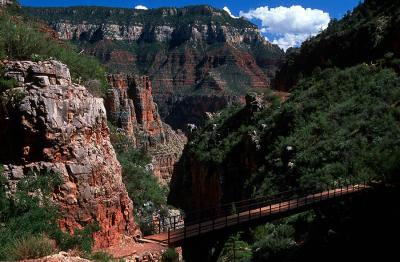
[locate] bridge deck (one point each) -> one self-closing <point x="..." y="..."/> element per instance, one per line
<point x="173" y="237"/>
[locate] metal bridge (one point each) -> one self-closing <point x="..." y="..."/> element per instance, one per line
<point x="176" y="230"/>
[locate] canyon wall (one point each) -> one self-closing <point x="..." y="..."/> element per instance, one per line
<point x="190" y="53"/>
<point x="201" y="182"/>
<point x="131" y="108"/>
<point x="48" y="124"/>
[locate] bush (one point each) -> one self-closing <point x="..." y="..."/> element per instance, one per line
<point x="355" y="137"/>
<point x="235" y="249"/>
<point x="142" y="186"/>
<point x="81" y="239"/>
<point x="170" y="255"/>
<point x="6" y="84"/>
<point x="272" y="241"/>
<point x="100" y="257"/>
<point x="149" y="196"/>
<point x="29" y="214"/>
<point x="30" y="247"/>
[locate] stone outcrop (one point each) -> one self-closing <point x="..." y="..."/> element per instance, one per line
<point x="49" y="123"/>
<point x="130" y="106"/>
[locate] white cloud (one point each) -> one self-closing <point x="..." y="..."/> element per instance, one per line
<point x="229" y="12"/>
<point x="290" y="40"/>
<point x="141" y="7"/>
<point x="290" y="25"/>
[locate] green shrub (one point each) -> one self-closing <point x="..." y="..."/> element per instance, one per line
<point x="235" y="249"/>
<point x="29" y="214"/>
<point x="30" y="247"/>
<point x="81" y="239"/>
<point x="149" y="196"/>
<point x="101" y="257"/>
<point x="142" y="186"/>
<point x="6" y="84"/>
<point x="272" y="241"/>
<point x="170" y="255"/>
<point x="20" y="38"/>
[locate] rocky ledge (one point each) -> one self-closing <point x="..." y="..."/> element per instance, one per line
<point x="51" y="124"/>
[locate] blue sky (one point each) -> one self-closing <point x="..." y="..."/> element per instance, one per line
<point x="279" y="20"/>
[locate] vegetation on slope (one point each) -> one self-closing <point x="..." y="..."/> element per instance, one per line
<point x="150" y="198"/>
<point x="201" y="14"/>
<point x="22" y="39"/>
<point x="167" y="59"/>
<point x="28" y="220"/>
<point x="366" y="34"/>
<point x="337" y="124"/>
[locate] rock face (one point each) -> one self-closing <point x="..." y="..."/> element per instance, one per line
<point x="196" y="51"/>
<point x="131" y="107"/>
<point x="200" y="184"/>
<point x="57" y="125"/>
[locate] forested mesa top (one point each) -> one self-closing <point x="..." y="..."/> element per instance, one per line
<point x="152" y="17"/>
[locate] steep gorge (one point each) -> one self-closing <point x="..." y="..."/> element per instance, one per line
<point x="190" y="54"/>
<point x="339" y="123"/>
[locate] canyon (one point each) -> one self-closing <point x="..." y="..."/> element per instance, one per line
<point x="191" y="55"/>
<point x="199" y="100"/>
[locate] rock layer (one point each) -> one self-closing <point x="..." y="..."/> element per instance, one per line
<point x="195" y="51"/>
<point x="59" y="126"/>
<point x="131" y="107"/>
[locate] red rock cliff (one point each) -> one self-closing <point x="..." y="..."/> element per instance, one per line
<point x="131" y="107"/>
<point x="60" y="126"/>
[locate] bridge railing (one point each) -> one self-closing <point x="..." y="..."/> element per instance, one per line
<point x="226" y="210"/>
<point x="286" y="205"/>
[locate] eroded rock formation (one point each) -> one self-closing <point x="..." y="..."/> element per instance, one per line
<point x="131" y="107"/>
<point x="190" y="52"/>
<point x="52" y="124"/>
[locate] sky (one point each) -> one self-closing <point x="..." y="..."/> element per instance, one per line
<point x="286" y="23"/>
